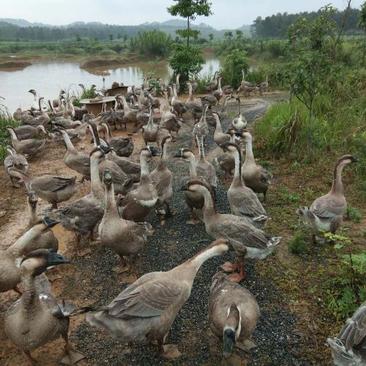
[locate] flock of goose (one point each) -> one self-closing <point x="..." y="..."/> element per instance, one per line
<point x="122" y="195"/>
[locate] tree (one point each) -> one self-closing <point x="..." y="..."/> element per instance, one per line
<point x="211" y="37"/>
<point x="362" y="24"/>
<point x="190" y="9"/>
<point x="234" y="63"/>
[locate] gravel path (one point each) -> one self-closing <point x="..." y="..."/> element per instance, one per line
<point x="169" y="246"/>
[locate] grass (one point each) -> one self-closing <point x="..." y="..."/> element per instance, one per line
<point x="5" y="121"/>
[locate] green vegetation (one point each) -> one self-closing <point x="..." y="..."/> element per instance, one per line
<point x="5" y="121"/>
<point x="187" y="60"/>
<point x="354" y="214"/>
<point x="234" y="63"/>
<point x="299" y="244"/>
<point x="153" y="43"/>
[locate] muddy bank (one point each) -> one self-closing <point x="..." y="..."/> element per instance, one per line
<point x="14" y="65"/>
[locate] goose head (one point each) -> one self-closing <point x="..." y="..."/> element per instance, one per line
<point x="38" y="261"/>
<point x="347" y="159"/>
<point x="149" y="151"/>
<point x="184" y="154"/>
<point x="230" y="147"/>
<point x="107" y="178"/>
<point x="232" y="329"/>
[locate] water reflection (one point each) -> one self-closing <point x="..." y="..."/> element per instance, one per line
<point x="49" y="77"/>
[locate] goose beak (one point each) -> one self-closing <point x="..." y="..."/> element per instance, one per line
<point x="153" y="150"/>
<point x="354" y="159"/>
<point x="55" y="259"/>
<point x="178" y="154"/>
<point x="228" y="342"/>
<point x="49" y="222"/>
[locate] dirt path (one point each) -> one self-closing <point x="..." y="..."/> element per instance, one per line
<point x="92" y="279"/>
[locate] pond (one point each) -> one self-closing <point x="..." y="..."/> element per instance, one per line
<point x="48" y="78"/>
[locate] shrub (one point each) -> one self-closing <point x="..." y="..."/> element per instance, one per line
<point x="298" y="245"/>
<point x="5" y="121"/>
<point x="354" y="214"/>
<point x="234" y="63"/>
<point x="152" y="43"/>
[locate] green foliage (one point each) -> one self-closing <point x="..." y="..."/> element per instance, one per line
<point x="362" y="20"/>
<point x="89" y="93"/>
<point x="152" y="43"/>
<point x="354" y="214"/>
<point x="5" y="121"/>
<point x="234" y="63"/>
<point x="298" y="245"/>
<point x="186" y="61"/>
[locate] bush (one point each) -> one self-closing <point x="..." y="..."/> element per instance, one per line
<point x="298" y="244"/>
<point x="152" y="43"/>
<point x="186" y="61"/>
<point x="234" y="63"/>
<point x="5" y="121"/>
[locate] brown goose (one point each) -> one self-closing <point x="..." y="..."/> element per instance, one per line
<point x="26" y="132"/>
<point x="150" y="130"/>
<point x="194" y="200"/>
<point x="50" y="188"/>
<point x="36" y="318"/>
<point x="204" y="167"/>
<point x="326" y="212"/>
<point x="123" y="146"/>
<point x="145" y="310"/>
<point x="200" y="129"/>
<point x="255" y="176"/>
<point x="46" y="239"/>
<point x="28" y="147"/>
<point x="140" y="201"/>
<point x="15" y="161"/>
<point x="233" y="313"/>
<point x="243" y="201"/>
<point x="247" y="240"/>
<point x="123" y="236"/>
<point x="239" y="123"/>
<point x="74" y="159"/>
<point x="219" y="136"/>
<point x="348" y="348"/>
<point x="9" y="269"/>
<point x="162" y="178"/>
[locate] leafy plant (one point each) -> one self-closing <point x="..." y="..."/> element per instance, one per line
<point x="354" y="214"/>
<point x="234" y="63"/>
<point x="298" y="245"/>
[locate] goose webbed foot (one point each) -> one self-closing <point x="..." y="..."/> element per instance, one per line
<point x="124" y="267"/>
<point x="230" y="267"/>
<point x="31" y="360"/>
<point x="71" y="357"/>
<point x="239" y="276"/>
<point x="170" y="351"/>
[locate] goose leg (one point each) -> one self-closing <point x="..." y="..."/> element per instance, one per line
<point x="194" y="219"/>
<point x="169" y="351"/>
<point x="31" y="360"/>
<point x="71" y="356"/>
<point x="125" y="267"/>
<point x="239" y="276"/>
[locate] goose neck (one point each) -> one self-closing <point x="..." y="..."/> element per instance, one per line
<point x="249" y="157"/>
<point x="237" y="170"/>
<point x="110" y="202"/>
<point x="19" y="248"/>
<point x="337" y="185"/>
<point x="69" y="145"/>
<point x="29" y="296"/>
<point x="144" y="166"/>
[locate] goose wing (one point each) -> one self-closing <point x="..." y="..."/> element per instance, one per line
<point x="354" y="331"/>
<point x="328" y="206"/>
<point x="53" y="184"/>
<point x="153" y="294"/>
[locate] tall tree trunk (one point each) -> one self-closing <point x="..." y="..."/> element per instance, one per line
<point x="188" y="28"/>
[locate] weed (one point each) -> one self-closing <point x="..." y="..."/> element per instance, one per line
<point x="298" y="245"/>
<point x="354" y="214"/>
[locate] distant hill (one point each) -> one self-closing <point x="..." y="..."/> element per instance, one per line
<point x="21" y="29"/>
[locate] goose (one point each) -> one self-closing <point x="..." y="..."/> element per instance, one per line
<point x="150" y="130"/>
<point x="204" y="167"/>
<point x="50" y="188"/>
<point x="233" y="313"/>
<point x="129" y="113"/>
<point x="9" y="269"/>
<point x="114" y="117"/>
<point x="36" y="318"/>
<point x="263" y="86"/>
<point x="28" y="147"/>
<point x="219" y="136"/>
<point x="194" y="201"/>
<point x="74" y="159"/>
<point x="254" y="176"/>
<point x="226" y="160"/>
<point x="247" y="240"/>
<point x="239" y="123"/>
<point x="201" y="128"/>
<point x="138" y="203"/>
<point x="213" y="84"/>
<point x="177" y="105"/>
<point x="244" y="84"/>
<point x="326" y="212"/>
<point x="192" y="104"/>
<point x="162" y="179"/>
<point x="99" y="164"/>
<point x="123" y="146"/>
<point x="145" y="311"/>
<point x="124" y="237"/>
<point x="15" y="161"/>
<point x="39" y="117"/>
<point x="348" y="348"/>
<point x="46" y="239"/>
<point x="128" y="166"/>
<point x="243" y="201"/>
<point x="26" y="132"/>
<point x="218" y="94"/>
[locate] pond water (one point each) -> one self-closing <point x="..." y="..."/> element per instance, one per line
<point x="47" y="78"/>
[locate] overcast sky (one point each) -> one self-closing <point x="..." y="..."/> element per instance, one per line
<point x="227" y="13"/>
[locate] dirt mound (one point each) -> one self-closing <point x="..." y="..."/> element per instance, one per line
<point x="16" y="65"/>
